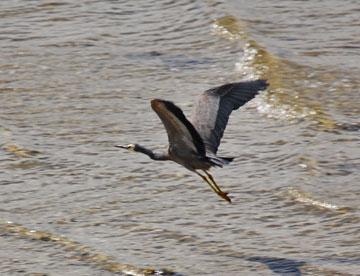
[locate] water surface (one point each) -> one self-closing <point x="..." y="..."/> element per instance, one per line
<point x="76" y="78"/>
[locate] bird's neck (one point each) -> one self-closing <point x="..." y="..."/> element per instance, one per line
<point x="151" y="154"/>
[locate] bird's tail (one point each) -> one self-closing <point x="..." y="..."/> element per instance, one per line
<point x="227" y="160"/>
<point x="220" y="161"/>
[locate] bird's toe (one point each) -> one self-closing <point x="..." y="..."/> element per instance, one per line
<point x="225" y="196"/>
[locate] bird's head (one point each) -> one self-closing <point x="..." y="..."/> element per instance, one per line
<point x="130" y="147"/>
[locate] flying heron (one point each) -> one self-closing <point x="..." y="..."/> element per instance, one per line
<point x="193" y="144"/>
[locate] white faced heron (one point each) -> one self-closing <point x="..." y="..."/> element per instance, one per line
<point x="193" y="144"/>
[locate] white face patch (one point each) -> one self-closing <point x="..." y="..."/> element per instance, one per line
<point x="131" y="147"/>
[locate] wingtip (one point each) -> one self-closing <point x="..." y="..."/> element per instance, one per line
<point x="263" y="84"/>
<point x="155" y="103"/>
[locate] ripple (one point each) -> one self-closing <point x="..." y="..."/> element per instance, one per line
<point x="76" y="79"/>
<point x="80" y="252"/>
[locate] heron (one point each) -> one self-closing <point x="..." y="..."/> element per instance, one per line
<point x="194" y="143"/>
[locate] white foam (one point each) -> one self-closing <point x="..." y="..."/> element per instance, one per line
<point x="306" y="198"/>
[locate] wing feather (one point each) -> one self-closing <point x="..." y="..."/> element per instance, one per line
<point x="212" y="110"/>
<point x="181" y="133"/>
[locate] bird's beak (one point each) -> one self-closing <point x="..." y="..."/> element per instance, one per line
<point x="121" y="146"/>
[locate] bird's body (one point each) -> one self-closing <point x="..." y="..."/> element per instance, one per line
<point x="194" y="144"/>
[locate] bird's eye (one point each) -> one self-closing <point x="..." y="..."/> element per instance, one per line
<point x="131" y="146"/>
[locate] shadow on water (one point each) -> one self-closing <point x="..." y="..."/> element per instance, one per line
<point x="284" y="266"/>
<point x="280" y="266"/>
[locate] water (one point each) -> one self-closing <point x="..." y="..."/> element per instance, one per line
<point x="76" y="78"/>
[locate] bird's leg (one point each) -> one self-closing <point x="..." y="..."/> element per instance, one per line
<point x="220" y="192"/>
<point x="210" y="180"/>
<point x="205" y="178"/>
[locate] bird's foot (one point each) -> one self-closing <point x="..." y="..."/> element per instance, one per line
<point x="224" y="196"/>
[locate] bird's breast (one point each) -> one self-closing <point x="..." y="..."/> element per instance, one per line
<point x="189" y="159"/>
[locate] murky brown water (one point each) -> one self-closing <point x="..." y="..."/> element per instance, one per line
<point x="76" y="78"/>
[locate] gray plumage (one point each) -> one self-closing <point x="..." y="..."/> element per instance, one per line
<point x="194" y="144"/>
<point x="211" y="113"/>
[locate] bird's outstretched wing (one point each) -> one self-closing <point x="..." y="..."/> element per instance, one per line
<point x="181" y="133"/>
<point x="213" y="108"/>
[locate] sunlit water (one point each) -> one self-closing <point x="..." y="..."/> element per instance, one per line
<point x="76" y="78"/>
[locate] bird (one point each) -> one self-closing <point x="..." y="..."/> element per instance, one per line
<point x="194" y="143"/>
